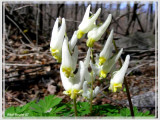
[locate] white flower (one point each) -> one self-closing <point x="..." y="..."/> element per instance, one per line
<point x="107" y="49"/>
<point x="73" y="85"/>
<point x="87" y="92"/>
<point x="96" y="33"/>
<point x="103" y="70"/>
<point x="87" y="23"/>
<point x="87" y="59"/>
<point x="68" y="61"/>
<point x="73" y="41"/>
<point x="104" y="62"/>
<point x="118" y="77"/>
<point x="57" y="39"/>
<point x="108" y="65"/>
<point x="89" y="76"/>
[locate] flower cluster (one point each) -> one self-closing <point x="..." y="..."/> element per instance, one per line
<point x="66" y="53"/>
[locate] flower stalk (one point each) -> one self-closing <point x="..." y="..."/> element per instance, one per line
<point x="125" y="83"/>
<point x="75" y="107"/>
<point x="91" y="97"/>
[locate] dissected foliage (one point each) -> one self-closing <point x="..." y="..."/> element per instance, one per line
<point x="52" y="106"/>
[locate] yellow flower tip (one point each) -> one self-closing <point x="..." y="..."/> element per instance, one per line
<point x="55" y="54"/>
<point x="59" y="59"/>
<point x="67" y="71"/>
<point x="80" y="34"/>
<point x="80" y="91"/>
<point x="116" y="87"/>
<point x="54" y="51"/>
<point x="90" y="42"/>
<point x="102" y="60"/>
<point x="68" y="92"/>
<point x="103" y="74"/>
<point x="72" y="93"/>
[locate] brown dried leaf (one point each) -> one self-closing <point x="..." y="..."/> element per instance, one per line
<point x="51" y="89"/>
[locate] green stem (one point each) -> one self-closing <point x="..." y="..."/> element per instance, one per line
<point x="92" y="58"/>
<point x="91" y="97"/>
<point x="75" y="106"/>
<point x="125" y="83"/>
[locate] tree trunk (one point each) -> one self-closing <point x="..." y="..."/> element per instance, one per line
<point x="117" y="14"/>
<point x="96" y="8"/>
<point x="76" y="14"/>
<point x="133" y="18"/>
<point x="63" y="11"/>
<point x="102" y="15"/>
<point x="49" y="18"/>
<point x="82" y="11"/>
<point x="128" y="10"/>
<point x="110" y="7"/>
<point x="59" y="7"/>
<point x="147" y="15"/>
<point x="40" y="19"/>
<point x="151" y="16"/>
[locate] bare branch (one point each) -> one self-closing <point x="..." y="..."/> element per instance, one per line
<point x="20" y="30"/>
<point x="22" y="7"/>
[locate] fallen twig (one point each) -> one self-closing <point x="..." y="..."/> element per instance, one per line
<point x="9" y="64"/>
<point x="136" y="68"/>
<point x="23" y="103"/>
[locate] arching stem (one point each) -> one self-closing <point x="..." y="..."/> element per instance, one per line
<point x="125" y="83"/>
<point x="91" y="97"/>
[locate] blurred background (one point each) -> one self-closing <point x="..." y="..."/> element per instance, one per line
<point x="30" y="72"/>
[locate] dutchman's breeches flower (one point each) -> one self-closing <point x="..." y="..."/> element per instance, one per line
<point x="108" y="65"/>
<point x="73" y="41"/>
<point x="68" y="61"/>
<point x="73" y="85"/>
<point x="118" y="76"/>
<point x="89" y="76"/>
<point x="103" y="70"/>
<point x="107" y="50"/>
<point x="87" y="23"/>
<point x="96" y="33"/>
<point x="87" y="92"/>
<point x="57" y="40"/>
<point x="104" y="62"/>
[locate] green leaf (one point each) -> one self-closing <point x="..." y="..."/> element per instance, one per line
<point x="125" y="112"/>
<point x="60" y="109"/>
<point x="52" y="106"/>
<point x="83" y="108"/>
<point x="146" y="113"/>
<point x="10" y="111"/>
<point x="24" y="108"/>
<point x="44" y="106"/>
<point x="49" y="106"/>
<point x="36" y="108"/>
